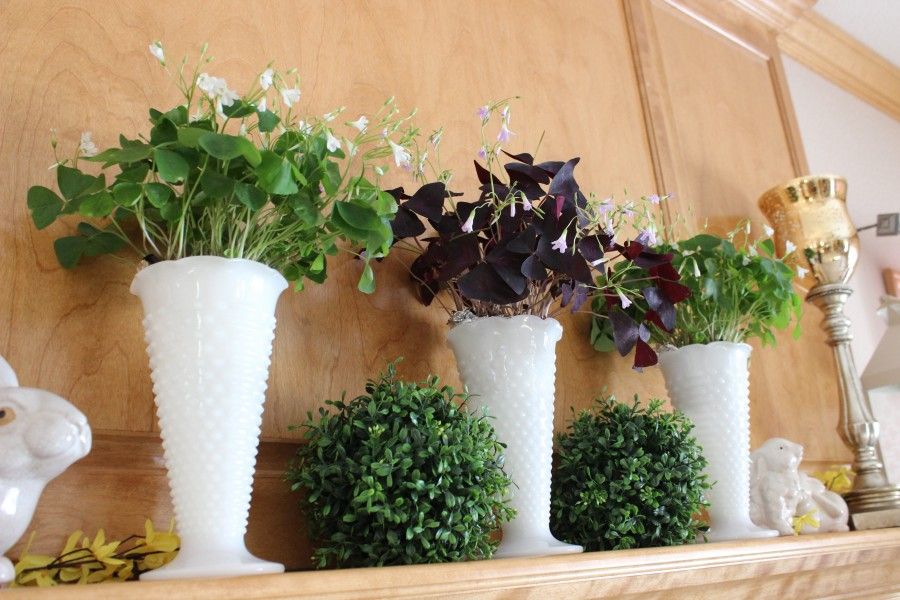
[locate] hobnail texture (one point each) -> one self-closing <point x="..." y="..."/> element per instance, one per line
<point x="710" y="383"/>
<point x="209" y="324"/>
<point x="509" y="365"/>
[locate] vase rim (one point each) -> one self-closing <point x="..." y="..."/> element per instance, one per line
<point x="718" y="343"/>
<point x="533" y="322"/>
<point x="208" y="261"/>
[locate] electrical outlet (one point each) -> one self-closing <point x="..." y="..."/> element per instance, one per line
<point x="888" y="224"/>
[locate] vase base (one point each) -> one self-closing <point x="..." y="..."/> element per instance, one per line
<point x="213" y="565"/>
<point x="737" y="532"/>
<point x="7" y="571"/>
<point x="542" y="546"/>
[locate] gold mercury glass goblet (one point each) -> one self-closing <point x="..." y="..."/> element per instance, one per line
<point x="811" y="212"/>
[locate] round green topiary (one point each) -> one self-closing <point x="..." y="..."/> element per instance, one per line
<point x="401" y="475"/>
<point x="627" y="477"/>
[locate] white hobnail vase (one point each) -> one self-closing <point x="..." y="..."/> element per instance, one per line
<point x="710" y="383"/>
<point x="209" y="323"/>
<point x="508" y="364"/>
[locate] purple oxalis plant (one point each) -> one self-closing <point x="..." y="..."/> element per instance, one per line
<point x="534" y="243"/>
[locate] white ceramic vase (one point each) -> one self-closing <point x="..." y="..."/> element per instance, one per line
<point x="710" y="383"/>
<point x="209" y="323"/>
<point x="509" y="365"/>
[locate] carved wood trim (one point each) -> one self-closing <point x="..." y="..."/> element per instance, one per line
<point x="851" y="564"/>
<point x="829" y="51"/>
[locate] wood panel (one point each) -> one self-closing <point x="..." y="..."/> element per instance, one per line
<point x="720" y="117"/>
<point x="123" y="482"/>
<point x="73" y="68"/>
<point x="847" y="565"/>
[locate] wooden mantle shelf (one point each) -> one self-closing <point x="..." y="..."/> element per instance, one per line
<point x="845" y="565"/>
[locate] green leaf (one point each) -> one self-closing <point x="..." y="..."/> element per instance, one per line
<point x="704" y="242"/>
<point x="172" y="167"/>
<point x="216" y="185"/>
<point x="267" y="121"/>
<point x="97" y="205"/>
<point x="127" y="194"/>
<point x="190" y="136"/>
<point x="158" y="194"/>
<point x="135" y="174"/>
<point x="98" y="241"/>
<point x="69" y="250"/>
<point x="274" y="174"/>
<point x="171" y="211"/>
<point x="360" y="217"/>
<point x="238" y="109"/>
<point x="367" y="280"/>
<point x="767" y="247"/>
<point x="45" y="206"/>
<point x="250" y="196"/>
<point x="229" y="147"/>
<point x="131" y="153"/>
<point x="73" y="182"/>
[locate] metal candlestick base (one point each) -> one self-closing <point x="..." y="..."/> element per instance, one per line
<point x="874" y="501"/>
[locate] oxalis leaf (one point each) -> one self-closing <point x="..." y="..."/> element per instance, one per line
<point x="44" y="205"/>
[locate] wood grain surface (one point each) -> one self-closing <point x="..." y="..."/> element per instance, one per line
<point x="654" y="96"/>
<point x="843" y="565"/>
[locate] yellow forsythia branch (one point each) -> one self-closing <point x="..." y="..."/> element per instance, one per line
<point x="97" y="560"/>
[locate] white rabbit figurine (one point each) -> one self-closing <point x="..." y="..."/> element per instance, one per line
<point x="779" y="492"/>
<point x="40" y="436"/>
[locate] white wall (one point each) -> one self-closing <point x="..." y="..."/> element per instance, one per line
<point x="846" y="136"/>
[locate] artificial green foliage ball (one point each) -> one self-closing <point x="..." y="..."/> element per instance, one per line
<point x="403" y="474"/>
<point x="627" y="477"/>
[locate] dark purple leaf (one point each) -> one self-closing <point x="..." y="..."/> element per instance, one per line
<point x="428" y="201"/>
<point x="643" y="332"/>
<point x="646" y="260"/>
<point x="564" y="181"/>
<point x="551" y="167"/>
<point x="508" y="266"/>
<point x="651" y="316"/>
<point x="523" y="157"/>
<point x="558" y="206"/>
<point x="483" y="283"/>
<point x="406" y="224"/>
<point x="580" y="297"/>
<point x="566" y="292"/>
<point x="632" y="249"/>
<point x="567" y="263"/>
<point x="398" y="193"/>
<point x="625" y="331"/>
<point x="482" y="215"/>
<point x="644" y="356"/>
<point x="660" y="306"/>
<point x="591" y="248"/>
<point x="485" y="176"/>
<point x="665" y="271"/>
<point x="526" y="174"/>
<point x="675" y="292"/>
<point x="533" y="269"/>
<point x="525" y="242"/>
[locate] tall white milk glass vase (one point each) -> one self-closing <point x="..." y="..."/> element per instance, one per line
<point x="209" y="323"/>
<point x="508" y="365"/>
<point x="710" y="383"/>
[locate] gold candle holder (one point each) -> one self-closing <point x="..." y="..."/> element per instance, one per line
<point x="811" y="212"/>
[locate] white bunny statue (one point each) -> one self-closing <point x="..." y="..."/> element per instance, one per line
<point x="41" y="435"/>
<point x="779" y="492"/>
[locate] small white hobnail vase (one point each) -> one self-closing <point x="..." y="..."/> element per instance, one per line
<point x="508" y="364"/>
<point x="209" y="323"/>
<point x="710" y="383"/>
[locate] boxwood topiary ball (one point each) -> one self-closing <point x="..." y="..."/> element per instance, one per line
<point x="403" y="474"/>
<point x="627" y="477"/>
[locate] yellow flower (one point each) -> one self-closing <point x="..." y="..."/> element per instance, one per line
<point x="838" y="478"/>
<point x="805" y="519"/>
